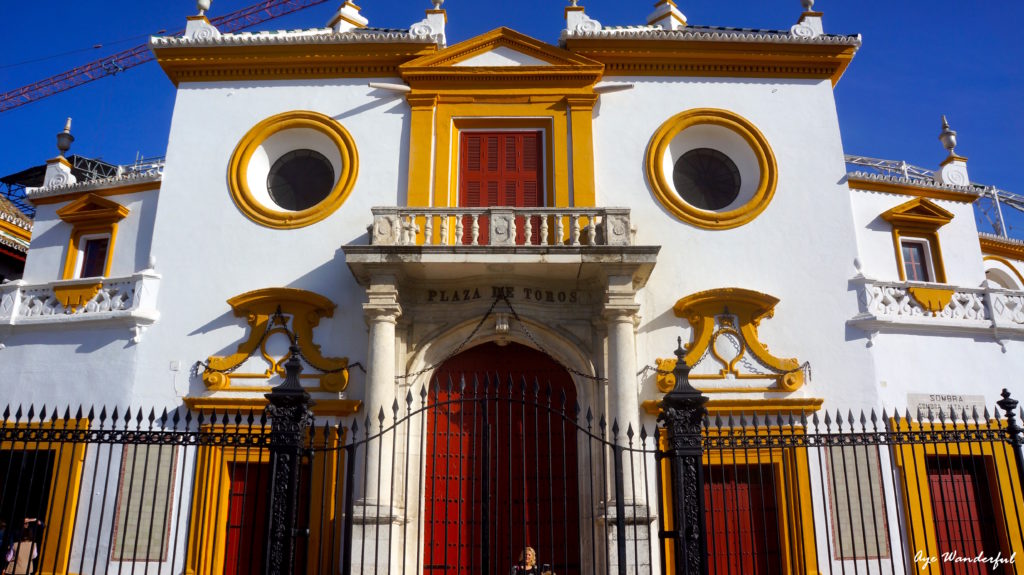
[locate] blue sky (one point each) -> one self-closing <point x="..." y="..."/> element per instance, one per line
<point x="920" y="59"/>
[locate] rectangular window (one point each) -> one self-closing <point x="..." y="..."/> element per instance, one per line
<point x="857" y="502"/>
<point x="501" y="169"/>
<point x="94" y="257"/>
<point x="916" y="259"/>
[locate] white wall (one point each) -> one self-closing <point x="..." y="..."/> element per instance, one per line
<point x="800" y="249"/>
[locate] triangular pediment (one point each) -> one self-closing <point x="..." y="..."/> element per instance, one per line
<point x="919" y="211"/>
<point x="92" y="208"/>
<point x="501" y="50"/>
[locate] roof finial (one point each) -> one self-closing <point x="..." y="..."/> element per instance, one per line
<point x="808" y="5"/>
<point x="947" y="137"/>
<point x="65" y="138"/>
<point x="437" y="4"/>
<point x="573" y="3"/>
<point x="347" y="18"/>
<point x="203" y="6"/>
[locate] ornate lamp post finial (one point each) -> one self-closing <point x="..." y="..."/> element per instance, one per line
<point x="948" y="136"/>
<point x="65" y="138"/>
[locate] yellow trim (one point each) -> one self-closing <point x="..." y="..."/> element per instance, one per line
<point x="869" y="185"/>
<point x="1006" y="263"/>
<point x="447" y="99"/>
<point x="919" y="218"/>
<point x="994" y="247"/>
<point x="103" y="193"/>
<point x="932" y="299"/>
<point x="90" y="215"/>
<point x="792" y="405"/>
<point x="65" y="488"/>
<point x="645" y="57"/>
<point x="953" y="158"/>
<point x="322" y="407"/>
<point x="791" y="479"/>
<point x="750" y="308"/>
<point x="916" y="493"/>
<point x="299" y="60"/>
<point x="305" y="309"/>
<point x="210" y="499"/>
<point x="238" y="169"/>
<point x="16" y="231"/>
<point x="665" y="191"/>
<point x="75" y="295"/>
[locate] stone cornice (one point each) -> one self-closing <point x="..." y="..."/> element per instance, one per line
<point x="292" y="37"/>
<point x="103" y="186"/>
<point x="911" y="187"/>
<point x="999" y="246"/>
<point x="711" y="34"/>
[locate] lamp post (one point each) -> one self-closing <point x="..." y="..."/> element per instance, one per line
<point x="290" y="420"/>
<point x="682" y="417"/>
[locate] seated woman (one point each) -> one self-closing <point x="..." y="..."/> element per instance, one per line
<point x="527" y="564"/>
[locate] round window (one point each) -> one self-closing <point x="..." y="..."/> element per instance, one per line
<point x="300" y="179"/>
<point x="706" y="179"/>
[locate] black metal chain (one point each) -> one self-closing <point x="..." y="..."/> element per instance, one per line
<point x="525" y="330"/>
<point x="276" y="319"/>
<point x="458" y="349"/>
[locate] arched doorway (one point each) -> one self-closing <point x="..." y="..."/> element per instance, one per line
<point x="501" y="463"/>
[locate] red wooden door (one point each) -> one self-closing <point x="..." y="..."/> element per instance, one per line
<point x="964" y="517"/>
<point x="500" y="169"/>
<point x="247" y="513"/>
<point x="741" y="520"/>
<point x="501" y="474"/>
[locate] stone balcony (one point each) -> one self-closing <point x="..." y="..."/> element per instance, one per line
<point x="938" y="308"/>
<point x="121" y="301"/>
<point x="501" y="227"/>
<point x="447" y="244"/>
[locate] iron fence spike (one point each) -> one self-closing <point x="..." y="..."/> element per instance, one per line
<point x="615" y="427"/>
<point x="7" y="412"/>
<point x="986" y="414"/>
<point x="32" y="411"/>
<point x="163" y="417"/>
<point x="394" y="408"/>
<point x="462" y="384"/>
<point x="423" y="393"/>
<point x="814" y="419"/>
<point x="629" y="432"/>
<point x="17" y="414"/>
<point x="907" y="417"/>
<point x="251" y="419"/>
<point x="589" y="416"/>
<point x="380" y="416"/>
<point x="643" y="433"/>
<point x="408" y="399"/>
<point x="355" y="428"/>
<point x="113" y="416"/>
<point x="874" y="417"/>
<point x="238" y="417"/>
<point x="90" y="416"/>
<point x="828" y="422"/>
<point x="974" y="413"/>
<point x="175" y="418"/>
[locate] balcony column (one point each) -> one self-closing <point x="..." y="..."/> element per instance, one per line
<point x="620" y="312"/>
<point x="378" y="514"/>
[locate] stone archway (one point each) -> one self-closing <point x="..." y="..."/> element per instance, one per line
<point x="501" y="468"/>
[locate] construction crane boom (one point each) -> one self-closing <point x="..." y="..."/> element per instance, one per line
<point x="121" y="61"/>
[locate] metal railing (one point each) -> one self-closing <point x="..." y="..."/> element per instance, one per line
<point x="461" y="475"/>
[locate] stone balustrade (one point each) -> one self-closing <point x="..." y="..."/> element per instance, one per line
<point x="893" y="306"/>
<point x="127" y="300"/>
<point x="500" y="226"/>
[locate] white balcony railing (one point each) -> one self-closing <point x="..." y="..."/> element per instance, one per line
<point x="539" y="227"/>
<point x="886" y="305"/>
<point x="127" y="300"/>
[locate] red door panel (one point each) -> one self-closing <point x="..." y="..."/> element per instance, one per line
<point x="964" y="517"/>
<point x="741" y="520"/>
<point x="500" y="474"/>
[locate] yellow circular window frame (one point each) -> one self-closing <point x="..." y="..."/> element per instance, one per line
<point x="239" y="167"/>
<point x="665" y="191"/>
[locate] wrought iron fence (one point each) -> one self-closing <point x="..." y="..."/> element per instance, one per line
<point x="461" y="475"/>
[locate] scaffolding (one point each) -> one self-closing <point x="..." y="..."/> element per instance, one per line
<point x="996" y="211"/>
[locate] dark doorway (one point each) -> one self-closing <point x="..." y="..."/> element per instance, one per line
<point x="501" y="469"/>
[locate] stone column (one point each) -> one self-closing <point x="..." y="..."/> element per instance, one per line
<point x="620" y="311"/>
<point x="625" y="513"/>
<point x="378" y="514"/>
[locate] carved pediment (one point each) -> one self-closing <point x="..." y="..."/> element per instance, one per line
<point x="920" y="212"/>
<point x="91" y="209"/>
<point x="502" y="54"/>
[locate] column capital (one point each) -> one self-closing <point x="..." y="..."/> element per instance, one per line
<point x="618" y="312"/>
<point x="382" y="313"/>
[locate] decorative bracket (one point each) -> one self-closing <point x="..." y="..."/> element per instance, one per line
<point x="725" y="323"/>
<point x="269" y="311"/>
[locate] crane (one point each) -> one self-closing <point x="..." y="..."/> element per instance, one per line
<point x="121" y="61"/>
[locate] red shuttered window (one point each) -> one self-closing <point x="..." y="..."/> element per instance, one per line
<point x="500" y="169"/>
